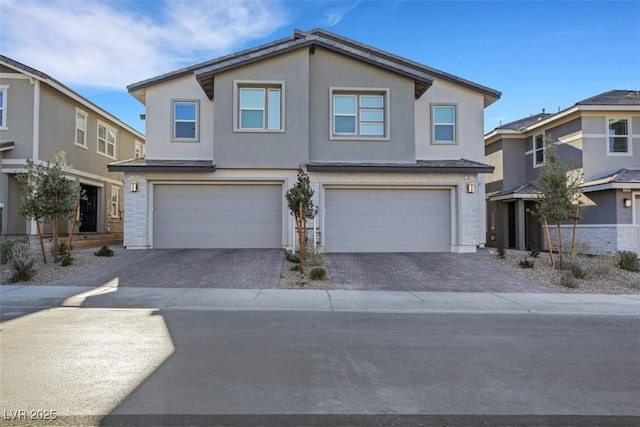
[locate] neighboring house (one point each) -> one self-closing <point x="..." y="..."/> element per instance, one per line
<point x="602" y="135"/>
<point x="393" y="150"/>
<point x="39" y="117"/>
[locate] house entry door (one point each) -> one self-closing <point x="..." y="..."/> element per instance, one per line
<point x="89" y="210"/>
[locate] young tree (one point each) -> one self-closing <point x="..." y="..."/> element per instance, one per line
<point x="559" y="199"/>
<point x="300" y="202"/>
<point x="49" y="196"/>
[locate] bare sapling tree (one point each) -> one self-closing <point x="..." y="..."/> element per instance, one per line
<point x="300" y="203"/>
<point x="560" y="197"/>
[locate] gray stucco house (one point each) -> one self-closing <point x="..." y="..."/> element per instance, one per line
<point x="602" y="134"/>
<point x="393" y="149"/>
<point x="39" y="117"/>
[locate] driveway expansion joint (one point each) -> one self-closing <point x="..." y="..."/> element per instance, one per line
<point x="166" y="307"/>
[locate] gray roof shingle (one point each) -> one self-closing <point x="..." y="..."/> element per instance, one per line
<point x="614" y="97"/>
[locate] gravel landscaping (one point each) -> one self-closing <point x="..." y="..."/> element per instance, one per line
<point x="602" y="275"/>
<point x="290" y="278"/>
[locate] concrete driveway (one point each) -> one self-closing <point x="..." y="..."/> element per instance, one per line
<point x="424" y="272"/>
<point x="189" y="268"/>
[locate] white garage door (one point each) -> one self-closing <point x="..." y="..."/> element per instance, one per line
<point x="217" y="216"/>
<point x="387" y="220"/>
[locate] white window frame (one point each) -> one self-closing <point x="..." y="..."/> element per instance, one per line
<point x="360" y="92"/>
<point x="83" y="143"/>
<point x="3" y="112"/>
<point x="196" y="136"/>
<point x="138" y="149"/>
<point x="535" y="151"/>
<point x="106" y="145"/>
<point x="629" y="151"/>
<point x="114" y="200"/>
<point x="454" y="141"/>
<point x="266" y="86"/>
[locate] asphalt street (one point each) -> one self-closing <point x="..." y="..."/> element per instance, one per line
<point x="150" y="366"/>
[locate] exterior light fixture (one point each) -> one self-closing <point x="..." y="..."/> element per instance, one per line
<point x="471" y="187"/>
<point x="627" y="203"/>
<point x="133" y="186"/>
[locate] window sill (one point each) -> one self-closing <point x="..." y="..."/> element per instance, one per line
<point x="182" y="141"/>
<point x="80" y="145"/>
<point x="106" y="155"/>
<point x="4" y="128"/>
<point x="444" y="142"/>
<point x="359" y="138"/>
<point x="619" y="154"/>
<point x="237" y="130"/>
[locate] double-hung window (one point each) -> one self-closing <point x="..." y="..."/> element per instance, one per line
<point x="618" y="134"/>
<point x="259" y="107"/>
<point x="444" y="124"/>
<point x="138" y="150"/>
<point x="538" y="150"/>
<point x="3" y="106"/>
<point x="114" y="209"/>
<point x="107" y="137"/>
<point x="359" y="115"/>
<point x="185" y="120"/>
<point x="81" y="128"/>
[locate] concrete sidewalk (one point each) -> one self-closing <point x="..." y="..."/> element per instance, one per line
<point x="111" y="296"/>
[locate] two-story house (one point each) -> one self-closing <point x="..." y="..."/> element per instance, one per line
<point x="602" y="136"/>
<point x="393" y="150"/>
<point x="40" y="117"/>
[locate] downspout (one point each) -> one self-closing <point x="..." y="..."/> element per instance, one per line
<point x="31" y="224"/>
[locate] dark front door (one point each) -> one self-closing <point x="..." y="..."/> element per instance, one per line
<point x="512" y="225"/>
<point x="89" y="209"/>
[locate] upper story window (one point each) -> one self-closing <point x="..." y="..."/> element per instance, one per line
<point x="259" y="107"/>
<point x="619" y="136"/>
<point x="359" y="114"/>
<point x="444" y="124"/>
<point x="138" y="150"/>
<point x="538" y="150"/>
<point x="107" y="140"/>
<point x="3" y="106"/>
<point x="81" y="128"/>
<point x="185" y="120"/>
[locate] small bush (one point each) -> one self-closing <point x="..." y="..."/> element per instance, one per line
<point x="6" y="247"/>
<point x="314" y="260"/>
<point x="66" y="260"/>
<point x="21" y="262"/>
<point x="568" y="281"/>
<point x="534" y="252"/>
<point x="104" y="251"/>
<point x="318" y="273"/>
<point x="502" y="252"/>
<point x="628" y="260"/>
<point x="601" y="265"/>
<point x="291" y="257"/>
<point x="578" y="268"/>
<point x="62" y="247"/>
<point x="295" y="268"/>
<point x="526" y="263"/>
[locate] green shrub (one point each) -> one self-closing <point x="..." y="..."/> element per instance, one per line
<point x="62" y="247"/>
<point x="295" y="268"/>
<point x="577" y="267"/>
<point x="291" y="257"/>
<point x="526" y="263"/>
<point x="318" y="273"/>
<point x="313" y="260"/>
<point x="5" y="249"/>
<point x="628" y="260"/>
<point x="104" y="251"/>
<point x="66" y="260"/>
<point x="568" y="281"/>
<point x="534" y="252"/>
<point x="21" y="262"/>
<point x="602" y="265"/>
<point x="502" y="252"/>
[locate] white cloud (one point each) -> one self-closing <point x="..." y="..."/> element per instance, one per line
<point x="336" y="15"/>
<point x="111" y="44"/>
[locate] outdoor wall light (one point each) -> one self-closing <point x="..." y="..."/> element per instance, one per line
<point x="133" y="186"/>
<point x="627" y="203"/>
<point x="471" y="187"/>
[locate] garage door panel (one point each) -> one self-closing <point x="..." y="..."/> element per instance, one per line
<point x="387" y="220"/>
<point x="218" y="216"/>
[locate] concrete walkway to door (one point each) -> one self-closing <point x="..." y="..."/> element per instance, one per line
<point x="188" y="268"/>
<point x="441" y="272"/>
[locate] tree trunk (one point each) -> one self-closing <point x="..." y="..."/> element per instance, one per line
<point x="302" y="229"/>
<point x="575" y="231"/>
<point x="55" y="237"/>
<point x="548" y="236"/>
<point x="44" y="254"/>
<point x="559" y="246"/>
<point x="73" y="226"/>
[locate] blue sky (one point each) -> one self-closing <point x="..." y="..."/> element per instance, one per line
<point x="539" y="54"/>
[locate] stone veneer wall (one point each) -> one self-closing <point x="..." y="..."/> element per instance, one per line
<point x="599" y="239"/>
<point x="136" y="213"/>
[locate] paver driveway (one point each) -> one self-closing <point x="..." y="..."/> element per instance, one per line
<point x="424" y="272"/>
<point x="192" y="268"/>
